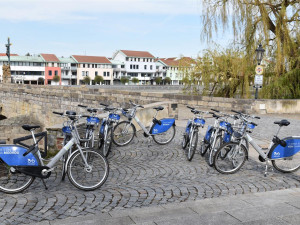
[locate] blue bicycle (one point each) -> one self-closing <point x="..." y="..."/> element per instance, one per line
<point x="190" y="136"/>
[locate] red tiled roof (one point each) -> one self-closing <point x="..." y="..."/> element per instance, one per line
<point x="184" y="61"/>
<point x="91" y="59"/>
<point x="137" y="54"/>
<point x="50" y="57"/>
<point x="4" y="54"/>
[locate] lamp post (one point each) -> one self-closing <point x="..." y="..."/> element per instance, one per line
<point x="259" y="70"/>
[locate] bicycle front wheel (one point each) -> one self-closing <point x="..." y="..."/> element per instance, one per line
<point x="192" y="146"/>
<point x="232" y="160"/>
<point x="288" y="164"/>
<point x="12" y="181"/>
<point x="123" y="133"/>
<point x="107" y="141"/>
<point x="89" y="177"/>
<point x="165" y="137"/>
<point x="214" y="149"/>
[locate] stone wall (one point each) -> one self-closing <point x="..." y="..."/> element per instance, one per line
<point x="38" y="102"/>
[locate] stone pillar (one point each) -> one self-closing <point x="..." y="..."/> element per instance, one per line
<point x="6" y="74"/>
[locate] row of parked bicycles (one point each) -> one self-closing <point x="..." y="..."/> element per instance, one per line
<point x="226" y="142"/>
<point x="84" y="157"/>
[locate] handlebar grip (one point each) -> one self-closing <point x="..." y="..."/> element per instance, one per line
<point x="236" y="111"/>
<point x="58" y="113"/>
<point x="257" y="117"/>
<point x="211" y="113"/>
<point x="83" y="106"/>
<point x="85" y="116"/>
<point x="190" y="107"/>
<point x="215" y="110"/>
<point x="103" y="104"/>
<point x="141" y="106"/>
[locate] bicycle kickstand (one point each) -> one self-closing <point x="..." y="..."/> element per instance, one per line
<point x="266" y="169"/>
<point x="44" y="184"/>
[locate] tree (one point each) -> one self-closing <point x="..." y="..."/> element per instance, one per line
<point x="98" y="79"/>
<point x="135" y="80"/>
<point x="124" y="80"/>
<point x="41" y="80"/>
<point x="87" y="80"/>
<point x="56" y="78"/>
<point x="158" y="80"/>
<point x="167" y="80"/>
<point x="274" y="23"/>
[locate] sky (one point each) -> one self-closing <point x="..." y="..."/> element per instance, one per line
<point x="165" y="28"/>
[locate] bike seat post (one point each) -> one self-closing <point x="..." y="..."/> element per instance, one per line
<point x="155" y="114"/>
<point x="278" y="131"/>
<point x="33" y="137"/>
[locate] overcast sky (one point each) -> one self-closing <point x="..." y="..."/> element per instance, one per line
<point x="165" y="28"/>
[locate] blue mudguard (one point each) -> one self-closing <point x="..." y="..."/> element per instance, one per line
<point x="292" y="147"/>
<point x="12" y="155"/>
<point x="166" y="124"/>
<point x="208" y="133"/>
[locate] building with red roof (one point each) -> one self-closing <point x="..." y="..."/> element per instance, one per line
<point x="52" y="68"/>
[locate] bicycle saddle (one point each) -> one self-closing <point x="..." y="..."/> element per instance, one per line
<point x="91" y="110"/>
<point x="30" y="127"/>
<point x="282" y="123"/>
<point x="2" y="117"/>
<point x="159" y="108"/>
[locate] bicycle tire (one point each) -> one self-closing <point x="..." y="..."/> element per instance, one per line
<point x="192" y="146"/>
<point x="118" y="133"/>
<point x="288" y="164"/>
<point x="184" y="141"/>
<point x="107" y="141"/>
<point x="212" y="152"/>
<point x="76" y="165"/>
<point x="171" y="131"/>
<point x="203" y="148"/>
<point x="231" y="147"/>
<point x="11" y="180"/>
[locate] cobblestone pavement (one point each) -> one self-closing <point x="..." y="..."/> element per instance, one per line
<point x="145" y="174"/>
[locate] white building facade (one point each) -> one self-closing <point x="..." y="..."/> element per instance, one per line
<point x="134" y="64"/>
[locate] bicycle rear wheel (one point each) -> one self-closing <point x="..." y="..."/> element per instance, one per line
<point x="165" y="137"/>
<point x="233" y="160"/>
<point x="123" y="133"/>
<point x="12" y="181"/>
<point x="190" y="152"/>
<point x="90" y="178"/>
<point x="288" y="164"/>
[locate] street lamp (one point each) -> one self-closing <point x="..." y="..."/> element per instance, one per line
<point x="259" y="54"/>
<point x="259" y="69"/>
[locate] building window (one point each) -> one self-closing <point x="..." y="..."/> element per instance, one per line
<point x="145" y="67"/>
<point x="137" y="66"/>
<point x="122" y="66"/>
<point x="88" y="65"/>
<point x="104" y="74"/>
<point x="87" y="73"/>
<point x="55" y="72"/>
<point x="96" y="73"/>
<point x="83" y="73"/>
<point x="93" y="65"/>
<point x="83" y="65"/>
<point x="127" y="59"/>
<point x="143" y="60"/>
<point x="150" y="67"/>
<point x="108" y="74"/>
<point x="130" y="66"/>
<point x="50" y="73"/>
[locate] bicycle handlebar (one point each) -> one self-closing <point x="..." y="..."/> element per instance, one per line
<point x="215" y="110"/>
<point x="83" y="106"/>
<point x="58" y="113"/>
